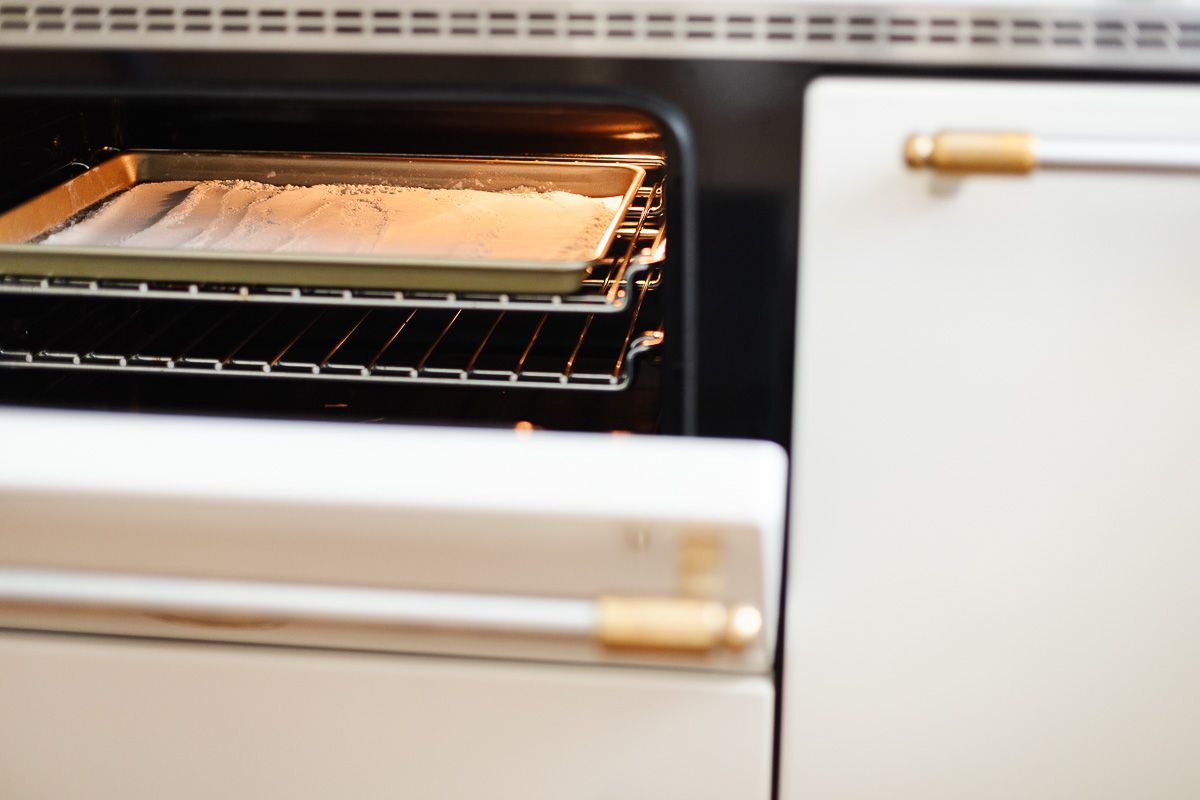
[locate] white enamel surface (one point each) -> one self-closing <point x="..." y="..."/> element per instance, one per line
<point x="110" y="718"/>
<point x="379" y="464"/>
<point x="994" y="555"/>
<point x="387" y="507"/>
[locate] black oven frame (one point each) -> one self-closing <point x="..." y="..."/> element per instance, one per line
<point x="733" y="135"/>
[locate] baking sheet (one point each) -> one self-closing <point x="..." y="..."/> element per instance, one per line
<point x="21" y="227"/>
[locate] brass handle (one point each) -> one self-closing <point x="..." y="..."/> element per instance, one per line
<point x="653" y="623"/>
<point x="963" y="152"/>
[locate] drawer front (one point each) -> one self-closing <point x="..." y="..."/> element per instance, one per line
<point x="992" y="585"/>
<point x="106" y="718"/>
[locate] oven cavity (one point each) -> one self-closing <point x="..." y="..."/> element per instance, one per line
<point x="103" y="310"/>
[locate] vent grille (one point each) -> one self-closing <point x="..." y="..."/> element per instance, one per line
<point x="796" y="32"/>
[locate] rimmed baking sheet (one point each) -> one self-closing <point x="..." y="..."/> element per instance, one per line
<point x="24" y="228"/>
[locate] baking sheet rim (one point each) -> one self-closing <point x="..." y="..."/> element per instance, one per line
<point x="93" y="256"/>
<point x="279" y="260"/>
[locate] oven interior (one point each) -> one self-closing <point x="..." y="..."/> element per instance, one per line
<point x="600" y="359"/>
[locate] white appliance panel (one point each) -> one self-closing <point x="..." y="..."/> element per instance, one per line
<point x="994" y="555"/>
<point x="104" y="717"/>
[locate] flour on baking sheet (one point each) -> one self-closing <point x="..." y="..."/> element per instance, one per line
<point x="348" y="219"/>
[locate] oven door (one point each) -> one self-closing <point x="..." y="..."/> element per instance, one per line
<point x="195" y="604"/>
<point x="994" y="584"/>
<point x="527" y="545"/>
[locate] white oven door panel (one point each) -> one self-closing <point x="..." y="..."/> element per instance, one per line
<point x="427" y="540"/>
<point x="993" y="586"/>
<point x="101" y="717"/>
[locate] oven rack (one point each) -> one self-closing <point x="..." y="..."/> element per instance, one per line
<point x="633" y="264"/>
<point x="462" y="347"/>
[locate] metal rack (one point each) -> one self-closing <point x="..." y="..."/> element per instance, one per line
<point x="633" y="265"/>
<point x="457" y="346"/>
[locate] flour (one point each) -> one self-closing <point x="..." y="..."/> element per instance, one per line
<point x="521" y="224"/>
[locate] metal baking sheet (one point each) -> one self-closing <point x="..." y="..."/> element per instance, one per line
<point x="22" y="226"/>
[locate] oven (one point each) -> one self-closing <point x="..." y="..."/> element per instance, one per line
<point x="519" y="531"/>
<point x="792" y="487"/>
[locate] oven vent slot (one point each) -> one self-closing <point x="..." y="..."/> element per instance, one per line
<point x="796" y="31"/>
<point x="420" y="345"/>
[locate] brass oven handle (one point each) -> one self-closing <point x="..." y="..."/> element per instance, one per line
<point x="1016" y="153"/>
<point x="648" y="623"/>
<point x="678" y="623"/>
<point x="966" y="152"/>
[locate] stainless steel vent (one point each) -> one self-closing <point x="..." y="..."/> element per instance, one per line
<point x="1161" y="37"/>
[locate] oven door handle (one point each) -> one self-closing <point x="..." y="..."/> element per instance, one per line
<point x="1015" y="153"/>
<point x="650" y="623"/>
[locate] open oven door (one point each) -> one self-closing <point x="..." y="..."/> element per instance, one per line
<point x="529" y="545"/>
<point x="301" y="559"/>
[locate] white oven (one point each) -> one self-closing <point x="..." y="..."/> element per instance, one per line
<point x="852" y="457"/>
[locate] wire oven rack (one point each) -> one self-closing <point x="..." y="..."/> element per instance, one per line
<point x="477" y="347"/>
<point x="633" y="264"/>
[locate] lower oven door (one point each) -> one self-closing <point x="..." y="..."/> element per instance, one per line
<point x="189" y="605"/>
<point x="115" y="717"/>
<point x="528" y="545"/>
